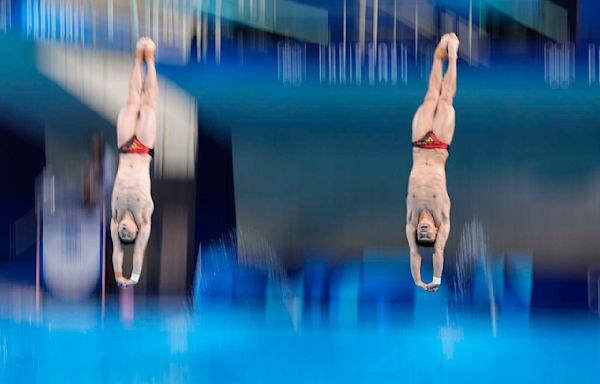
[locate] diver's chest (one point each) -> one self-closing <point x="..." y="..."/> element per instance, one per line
<point x="131" y="196"/>
<point x="427" y="178"/>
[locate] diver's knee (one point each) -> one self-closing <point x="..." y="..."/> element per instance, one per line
<point x="147" y="109"/>
<point x="431" y="98"/>
<point x="427" y="108"/>
<point x="446" y="98"/>
<point x="128" y="112"/>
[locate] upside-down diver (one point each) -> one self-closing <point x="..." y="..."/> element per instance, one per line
<point x="428" y="203"/>
<point x="132" y="204"/>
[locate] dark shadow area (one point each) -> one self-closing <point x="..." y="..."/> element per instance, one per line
<point x="21" y="161"/>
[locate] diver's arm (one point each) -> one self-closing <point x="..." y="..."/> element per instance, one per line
<point x="415" y="257"/>
<point x="138" y="252"/>
<point x="141" y="242"/>
<point x="438" y="255"/>
<point x="117" y="256"/>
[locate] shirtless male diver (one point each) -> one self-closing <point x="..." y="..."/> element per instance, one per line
<point x="132" y="204"/>
<point x="428" y="203"/>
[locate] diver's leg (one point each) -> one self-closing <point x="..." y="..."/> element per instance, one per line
<point x="150" y="82"/>
<point x="423" y="119"/>
<point x="127" y="120"/>
<point x="146" y="127"/>
<point x="444" y="120"/>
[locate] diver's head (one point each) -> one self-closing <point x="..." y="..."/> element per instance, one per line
<point x="128" y="228"/>
<point x="426" y="229"/>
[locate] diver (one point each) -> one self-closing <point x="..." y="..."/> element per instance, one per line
<point x="427" y="202"/>
<point x="132" y="204"/>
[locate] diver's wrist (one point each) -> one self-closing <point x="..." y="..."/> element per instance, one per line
<point x="135" y="277"/>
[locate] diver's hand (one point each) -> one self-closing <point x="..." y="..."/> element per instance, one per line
<point x="432" y="287"/>
<point x="121" y="281"/>
<point x="125" y="283"/>
<point x="422" y="285"/>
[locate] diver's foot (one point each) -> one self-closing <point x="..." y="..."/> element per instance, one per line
<point x="139" y="49"/>
<point x="453" y="44"/>
<point x="149" y="48"/>
<point x="441" y="51"/>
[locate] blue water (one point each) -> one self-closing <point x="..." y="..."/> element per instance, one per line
<point x="168" y="341"/>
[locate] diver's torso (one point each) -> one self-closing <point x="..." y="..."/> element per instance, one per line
<point x="427" y="181"/>
<point x="132" y="184"/>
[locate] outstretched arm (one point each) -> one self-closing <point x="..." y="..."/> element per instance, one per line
<point x="138" y="252"/>
<point x="438" y="255"/>
<point x="141" y="242"/>
<point x="415" y="257"/>
<point x="117" y="256"/>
